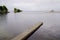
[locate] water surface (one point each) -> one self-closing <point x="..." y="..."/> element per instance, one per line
<point x="13" y="24"/>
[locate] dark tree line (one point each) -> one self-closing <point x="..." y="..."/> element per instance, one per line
<point x="3" y="9"/>
<point x="17" y="10"/>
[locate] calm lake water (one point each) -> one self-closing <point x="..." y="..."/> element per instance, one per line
<point x="13" y="24"/>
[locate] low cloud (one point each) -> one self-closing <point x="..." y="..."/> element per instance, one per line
<point x="32" y="5"/>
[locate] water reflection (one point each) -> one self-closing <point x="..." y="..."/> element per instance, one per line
<point x="13" y="24"/>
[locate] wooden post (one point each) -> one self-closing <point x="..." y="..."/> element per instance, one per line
<point x="25" y="35"/>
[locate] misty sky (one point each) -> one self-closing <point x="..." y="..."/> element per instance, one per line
<point x="32" y="5"/>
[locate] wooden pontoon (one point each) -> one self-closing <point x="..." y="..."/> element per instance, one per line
<point x="25" y="35"/>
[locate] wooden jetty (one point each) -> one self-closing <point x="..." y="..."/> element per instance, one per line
<point x="25" y="35"/>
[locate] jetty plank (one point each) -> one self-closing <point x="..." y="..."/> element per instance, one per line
<point x="25" y="35"/>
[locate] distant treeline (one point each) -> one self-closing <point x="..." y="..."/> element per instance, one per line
<point x="4" y="10"/>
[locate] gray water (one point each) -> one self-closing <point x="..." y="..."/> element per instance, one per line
<point x="13" y="24"/>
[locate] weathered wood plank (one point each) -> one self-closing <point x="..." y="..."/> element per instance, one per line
<point x="28" y="33"/>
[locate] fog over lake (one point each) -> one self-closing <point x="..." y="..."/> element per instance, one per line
<point x="34" y="11"/>
<point x="32" y="5"/>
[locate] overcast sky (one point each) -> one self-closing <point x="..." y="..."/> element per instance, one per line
<point x="32" y="5"/>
